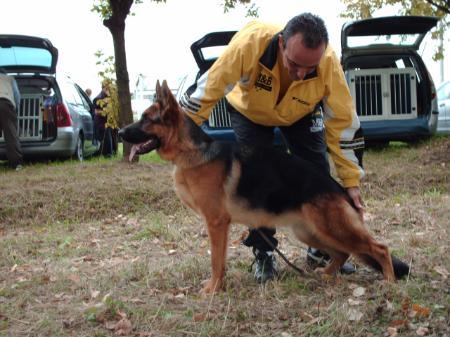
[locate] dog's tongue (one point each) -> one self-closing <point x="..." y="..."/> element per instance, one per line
<point x="133" y="152"/>
<point x="143" y="148"/>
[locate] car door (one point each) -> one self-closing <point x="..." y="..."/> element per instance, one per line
<point x="444" y="107"/>
<point x="88" y="120"/>
<point x="80" y="114"/>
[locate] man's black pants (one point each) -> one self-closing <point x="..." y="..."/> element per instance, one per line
<point x="305" y="138"/>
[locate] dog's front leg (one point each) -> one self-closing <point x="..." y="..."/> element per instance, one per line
<point x="218" y="236"/>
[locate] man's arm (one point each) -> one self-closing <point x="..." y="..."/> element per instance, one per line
<point x="16" y="94"/>
<point x="343" y="133"/>
<point x="199" y="100"/>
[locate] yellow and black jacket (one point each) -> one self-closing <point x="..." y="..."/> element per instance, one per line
<point x="248" y="74"/>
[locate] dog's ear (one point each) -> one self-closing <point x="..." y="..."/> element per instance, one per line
<point x="158" y="91"/>
<point x="167" y="98"/>
<point x="170" y="110"/>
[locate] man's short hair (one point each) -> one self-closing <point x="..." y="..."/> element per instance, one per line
<point x="312" y="28"/>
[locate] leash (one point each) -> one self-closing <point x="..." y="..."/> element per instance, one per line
<point x="289" y="263"/>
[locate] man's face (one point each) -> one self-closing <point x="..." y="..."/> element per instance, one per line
<point x="298" y="59"/>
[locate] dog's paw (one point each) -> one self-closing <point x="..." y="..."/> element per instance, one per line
<point x="210" y="287"/>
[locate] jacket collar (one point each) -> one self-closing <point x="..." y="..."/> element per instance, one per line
<point x="269" y="57"/>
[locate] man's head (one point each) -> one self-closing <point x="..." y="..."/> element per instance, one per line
<point x="302" y="44"/>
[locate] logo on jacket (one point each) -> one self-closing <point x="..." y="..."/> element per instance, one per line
<point x="264" y="82"/>
<point x="299" y="100"/>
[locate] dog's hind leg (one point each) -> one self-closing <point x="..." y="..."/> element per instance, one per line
<point x="380" y="253"/>
<point x="337" y="260"/>
<point x="218" y="235"/>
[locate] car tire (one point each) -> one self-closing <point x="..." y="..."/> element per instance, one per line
<point x="79" y="149"/>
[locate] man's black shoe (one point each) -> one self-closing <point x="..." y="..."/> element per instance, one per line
<point x="315" y="258"/>
<point x="266" y="266"/>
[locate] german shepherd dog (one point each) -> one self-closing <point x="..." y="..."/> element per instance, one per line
<point x="259" y="187"/>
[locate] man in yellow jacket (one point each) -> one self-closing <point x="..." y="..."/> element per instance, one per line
<point x="292" y="79"/>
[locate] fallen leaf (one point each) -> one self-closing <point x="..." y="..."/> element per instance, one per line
<point x="354" y="315"/>
<point x="74" y="278"/>
<point x="389" y="306"/>
<point x="392" y="332"/>
<point x="441" y="271"/>
<point x="353" y="302"/>
<point x="398" y="324"/>
<point x="359" y="291"/>
<point x="352" y="286"/>
<point x="283" y="317"/>
<point x="405" y="305"/>
<point x="421" y="311"/>
<point x="286" y="334"/>
<point x="110" y="325"/>
<point x="123" y="327"/>
<point x="422" y="331"/>
<point x="306" y="316"/>
<point x="94" y="293"/>
<point x="137" y="301"/>
<point x="199" y="317"/>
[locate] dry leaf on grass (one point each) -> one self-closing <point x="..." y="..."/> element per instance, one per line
<point x="358" y="292"/>
<point x="306" y="316"/>
<point x="74" y="278"/>
<point x="123" y="327"/>
<point x="441" y="271"/>
<point x="420" y="311"/>
<point x="398" y="324"/>
<point x="391" y="332"/>
<point x="422" y="331"/>
<point x="353" y="302"/>
<point x="354" y="315"/>
<point x="200" y="317"/>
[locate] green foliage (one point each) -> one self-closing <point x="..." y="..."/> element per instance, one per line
<point x="110" y="105"/>
<point x="252" y="10"/>
<point x="363" y="9"/>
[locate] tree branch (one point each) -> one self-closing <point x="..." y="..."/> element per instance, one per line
<point x="439" y="6"/>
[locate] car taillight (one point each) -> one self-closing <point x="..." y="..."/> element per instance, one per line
<point x="62" y="116"/>
<point x="432" y="86"/>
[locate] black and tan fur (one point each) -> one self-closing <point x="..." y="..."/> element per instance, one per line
<point x="226" y="183"/>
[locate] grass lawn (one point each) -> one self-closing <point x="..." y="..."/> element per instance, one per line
<point x="105" y="248"/>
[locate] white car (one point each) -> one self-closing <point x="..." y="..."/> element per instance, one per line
<point x="443" y="93"/>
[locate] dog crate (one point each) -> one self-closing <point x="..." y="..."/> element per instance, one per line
<point x="29" y="118"/>
<point x="383" y="94"/>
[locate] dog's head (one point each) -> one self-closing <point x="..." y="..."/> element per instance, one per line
<point x="158" y="123"/>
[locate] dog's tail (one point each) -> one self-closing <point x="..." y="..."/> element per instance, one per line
<point x="401" y="269"/>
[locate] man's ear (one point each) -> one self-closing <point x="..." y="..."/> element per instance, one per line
<point x="280" y="41"/>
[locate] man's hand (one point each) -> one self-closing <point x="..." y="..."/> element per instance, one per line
<point x="355" y="195"/>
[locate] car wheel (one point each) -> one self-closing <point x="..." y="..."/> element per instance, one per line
<point x="79" y="149"/>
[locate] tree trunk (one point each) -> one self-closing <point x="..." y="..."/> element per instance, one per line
<point x="116" y="25"/>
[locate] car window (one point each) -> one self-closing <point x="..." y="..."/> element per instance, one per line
<point x="71" y="94"/>
<point x="25" y="56"/>
<point x="84" y="101"/>
<point x="444" y="92"/>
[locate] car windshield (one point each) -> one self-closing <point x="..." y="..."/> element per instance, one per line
<point x="25" y="56"/>
<point x="394" y="39"/>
